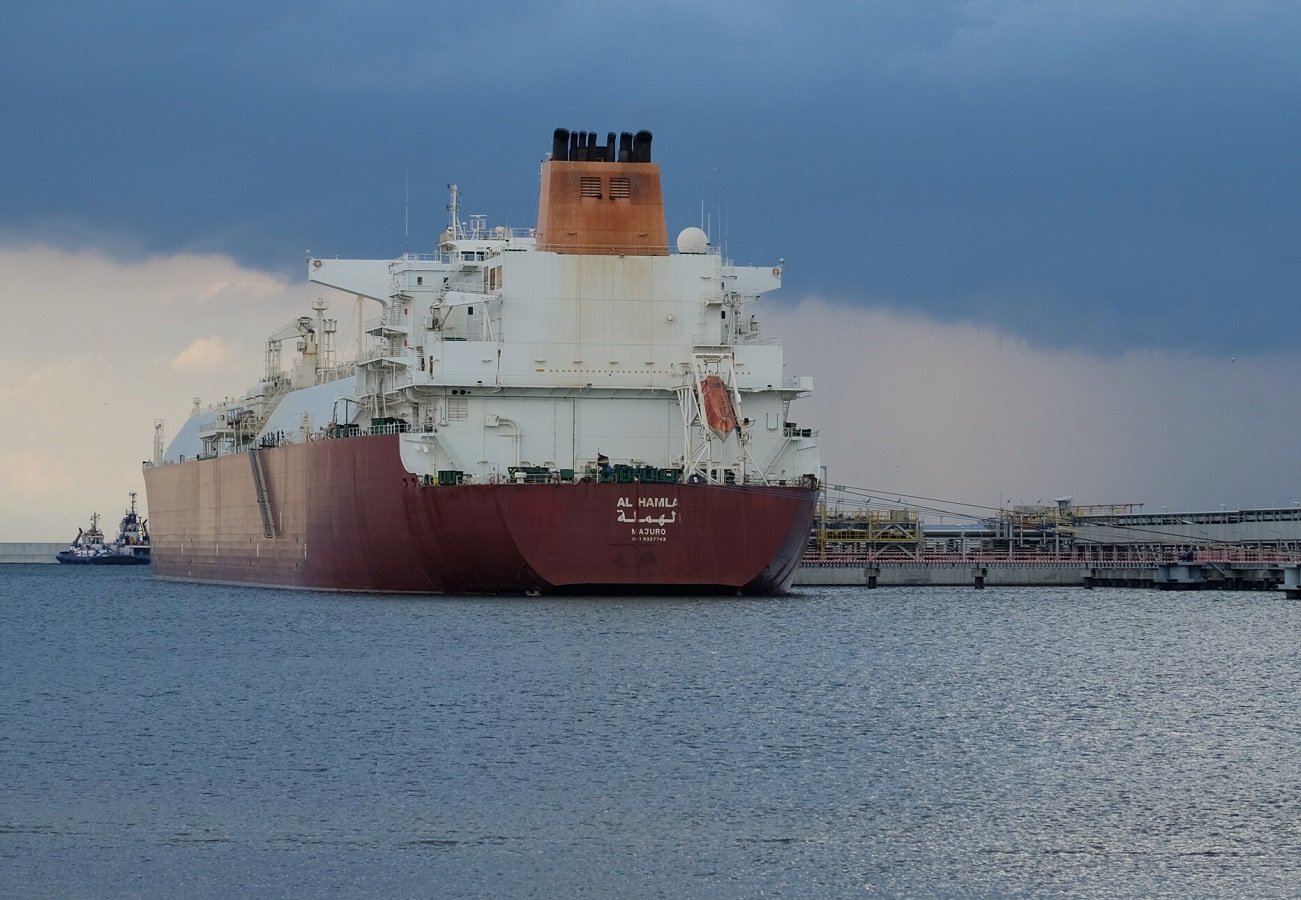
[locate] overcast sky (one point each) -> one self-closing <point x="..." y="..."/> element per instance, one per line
<point x="1082" y="219"/>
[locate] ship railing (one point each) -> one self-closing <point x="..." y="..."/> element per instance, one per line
<point x="492" y="242"/>
<point x="399" y="379"/>
<point x="393" y="428"/>
<point x="386" y="326"/>
<point x="397" y="356"/>
<point x="334" y="373"/>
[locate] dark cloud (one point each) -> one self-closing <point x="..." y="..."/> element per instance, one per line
<point x="1097" y="174"/>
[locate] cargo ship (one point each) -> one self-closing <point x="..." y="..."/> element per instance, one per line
<point x="571" y="408"/>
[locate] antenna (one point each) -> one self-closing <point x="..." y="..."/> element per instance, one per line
<point x="361" y="330"/>
<point x="454" y="208"/>
<point x="406" y="216"/>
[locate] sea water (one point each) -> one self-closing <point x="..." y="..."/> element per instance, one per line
<point x="173" y="740"/>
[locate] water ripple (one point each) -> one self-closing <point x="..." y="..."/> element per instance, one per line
<point x="158" y="738"/>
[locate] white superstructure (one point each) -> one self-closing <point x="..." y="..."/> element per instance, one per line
<point x="504" y="356"/>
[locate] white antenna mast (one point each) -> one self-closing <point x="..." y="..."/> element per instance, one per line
<point x="455" y="209"/>
<point x="361" y="330"/>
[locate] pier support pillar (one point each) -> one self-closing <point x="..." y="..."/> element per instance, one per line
<point x="1179" y="577"/>
<point x="1291" y="582"/>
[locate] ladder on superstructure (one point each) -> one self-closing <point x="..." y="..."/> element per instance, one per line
<point x="260" y="488"/>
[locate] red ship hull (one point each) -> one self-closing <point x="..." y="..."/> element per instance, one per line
<point x="346" y="516"/>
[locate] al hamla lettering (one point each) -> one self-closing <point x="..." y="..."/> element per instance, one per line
<point x="649" y="518"/>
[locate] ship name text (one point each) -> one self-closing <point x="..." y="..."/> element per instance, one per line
<point x="647" y="524"/>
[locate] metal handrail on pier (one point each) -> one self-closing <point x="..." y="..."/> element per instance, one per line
<point x="1080" y="559"/>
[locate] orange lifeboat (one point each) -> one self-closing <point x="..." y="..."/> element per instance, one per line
<point x="717" y="402"/>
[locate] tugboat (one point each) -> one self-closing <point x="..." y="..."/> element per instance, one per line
<point x="130" y="548"/>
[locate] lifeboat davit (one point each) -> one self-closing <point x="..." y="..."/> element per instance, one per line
<point x="716" y="399"/>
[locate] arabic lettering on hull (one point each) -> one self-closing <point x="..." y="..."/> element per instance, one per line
<point x="649" y="518"/>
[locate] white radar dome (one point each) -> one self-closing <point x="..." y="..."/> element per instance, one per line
<point x="693" y="240"/>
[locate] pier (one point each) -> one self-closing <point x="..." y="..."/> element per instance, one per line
<point x="1261" y="573"/>
<point x="30" y="551"/>
<point x="1057" y="545"/>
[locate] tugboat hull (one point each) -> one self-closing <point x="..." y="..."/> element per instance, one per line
<point x="72" y="559"/>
